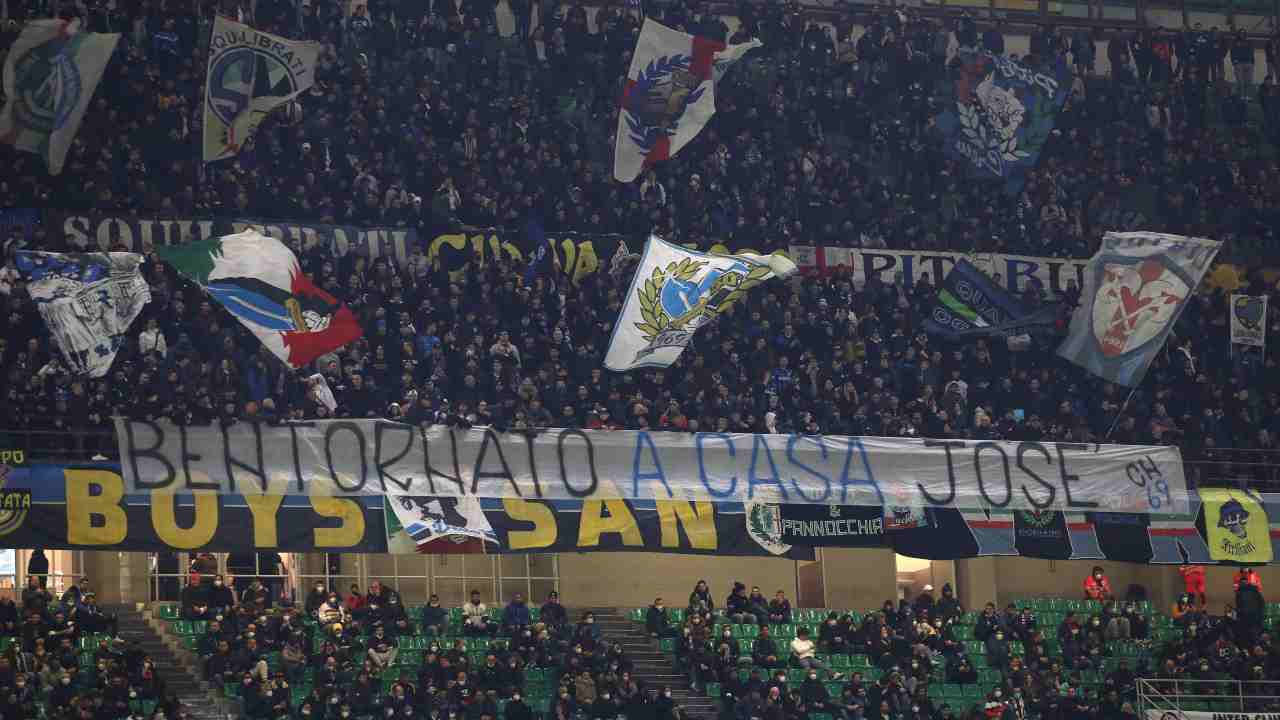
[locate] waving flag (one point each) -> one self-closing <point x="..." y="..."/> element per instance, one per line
<point x="676" y="291"/>
<point x="88" y="300"/>
<point x="1002" y="115"/>
<point x="1135" y="288"/>
<point x="971" y="305"/>
<point x="258" y="280"/>
<point x="670" y="95"/>
<point x="50" y="74"/>
<point x="250" y="74"/>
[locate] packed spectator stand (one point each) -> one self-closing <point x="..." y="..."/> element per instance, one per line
<point x="360" y="655"/>
<point x="62" y="658"/>
<point x="823" y="137"/>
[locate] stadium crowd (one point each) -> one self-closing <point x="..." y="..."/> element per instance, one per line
<point x="62" y="658"/>
<point x="825" y="137"/>
<point x="929" y="659"/>
<point x="364" y="654"/>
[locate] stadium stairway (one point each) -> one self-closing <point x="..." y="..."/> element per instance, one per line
<point x="180" y="668"/>
<point x="651" y="666"/>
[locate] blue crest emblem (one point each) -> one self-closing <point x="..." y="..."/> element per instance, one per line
<point x="48" y="85"/>
<point x="661" y="94"/>
<point x="678" y="299"/>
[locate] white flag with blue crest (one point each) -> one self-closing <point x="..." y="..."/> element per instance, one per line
<point x="676" y="291"/>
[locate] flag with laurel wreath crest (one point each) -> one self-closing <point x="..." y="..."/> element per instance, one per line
<point x="676" y="291"/>
<point x="670" y="95"/>
<point x="1001" y="115"/>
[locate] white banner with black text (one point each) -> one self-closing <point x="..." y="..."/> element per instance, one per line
<point x="377" y="457"/>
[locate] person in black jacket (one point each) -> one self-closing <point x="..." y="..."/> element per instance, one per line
<point x="434" y="618"/>
<point x="655" y="620"/>
<point x="1250" y="608"/>
<point x="517" y="708"/>
<point x="737" y="606"/>
<point x="553" y="614"/>
<point x="765" y="652"/>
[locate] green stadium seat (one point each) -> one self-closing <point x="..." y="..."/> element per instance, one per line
<point x="713" y="690"/>
<point x="667" y="645"/>
<point x="169" y="612"/>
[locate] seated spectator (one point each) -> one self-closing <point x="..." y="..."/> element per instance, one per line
<point x="700" y="602"/>
<point x="737" y="607"/>
<point x="1097" y="586"/>
<point x="758" y="606"/>
<point x="35" y="599"/>
<point x="1249" y="575"/>
<point x="780" y="609"/>
<point x="804" y="653"/>
<point x="75" y="593"/>
<point x="332" y="611"/>
<point x="435" y="618"/>
<point x="382" y="654"/>
<point x="515" y="616"/>
<point x="948" y="606"/>
<point x="764" y="651"/>
<point x="831" y="637"/>
<point x="475" y="616"/>
<point x="553" y="614"/>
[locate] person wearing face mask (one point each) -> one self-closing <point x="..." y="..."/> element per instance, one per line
<point x="517" y="708"/>
<point x="332" y="611"/>
<point x="553" y="614"/>
<point x="814" y="694"/>
<point x="656" y="620"/>
<point x="316" y="597"/>
<point x="565" y="707"/>
<point x="664" y="705"/>
<point x="435" y="618"/>
<point x="1097" y="586"/>
<point x="998" y="649"/>
<point x="221" y="598"/>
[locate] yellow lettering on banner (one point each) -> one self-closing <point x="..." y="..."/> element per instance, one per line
<point x="697" y="519"/>
<point x="593" y="523"/>
<point x="164" y="519"/>
<point x="350" y="532"/>
<point x="457" y="241"/>
<point x="264" y="509"/>
<point x="512" y="251"/>
<point x="85" y="509"/>
<point x="587" y="262"/>
<point x="544" y="530"/>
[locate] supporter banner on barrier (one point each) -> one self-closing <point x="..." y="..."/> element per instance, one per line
<point x="1249" y="320"/>
<point x="1012" y="272"/>
<point x="1208" y="715"/>
<point x="100" y="231"/>
<point x="86" y="507"/>
<point x="376" y="457"/>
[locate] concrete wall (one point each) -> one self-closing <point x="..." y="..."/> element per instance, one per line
<point x="634" y="579"/>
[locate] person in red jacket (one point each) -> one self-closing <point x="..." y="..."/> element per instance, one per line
<point x="1250" y="575"/>
<point x="1193" y="580"/>
<point x="1097" y="586"/>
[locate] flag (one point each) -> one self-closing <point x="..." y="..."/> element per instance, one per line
<point x="455" y="521"/>
<point x="318" y="390"/>
<point x="258" y="280"/>
<point x="1249" y="320"/>
<point x="670" y="95"/>
<point x="674" y="292"/>
<point x="1134" y="289"/>
<point x="250" y="74"/>
<point x="1235" y="525"/>
<point x="50" y="74"/>
<point x="88" y="300"/>
<point x="1001" y="115"/>
<point x="971" y="305"/>
<point x="538" y="257"/>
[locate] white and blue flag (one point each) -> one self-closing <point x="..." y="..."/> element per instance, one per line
<point x="676" y="291"/>
<point x="50" y="74"/>
<point x="88" y="300"/>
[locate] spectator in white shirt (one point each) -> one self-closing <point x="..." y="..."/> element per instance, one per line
<point x="152" y="340"/>
<point x="475" y="616"/>
<point x="805" y="652"/>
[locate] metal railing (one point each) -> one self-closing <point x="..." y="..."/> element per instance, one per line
<point x="1173" y="698"/>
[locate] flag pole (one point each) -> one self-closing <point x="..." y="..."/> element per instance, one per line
<point x="1120" y="414"/>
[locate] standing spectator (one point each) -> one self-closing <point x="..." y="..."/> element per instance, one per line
<point x="1242" y="64"/>
<point x="1248" y="575"/>
<point x="553" y="614"/>
<point x="1097" y="586"/>
<point x="655" y="621"/>
<point x="1193" y="582"/>
<point x="1250" y="608"/>
<point x="38" y="566"/>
